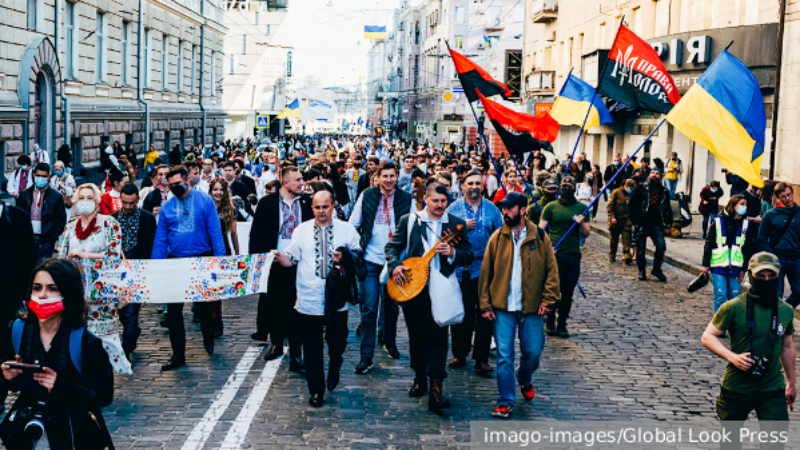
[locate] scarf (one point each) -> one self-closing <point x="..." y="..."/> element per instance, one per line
<point x="566" y="202"/>
<point x="130" y="229"/>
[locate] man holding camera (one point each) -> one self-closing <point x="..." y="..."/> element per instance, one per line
<point x="760" y="328"/>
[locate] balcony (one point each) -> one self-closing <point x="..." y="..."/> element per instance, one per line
<point x="542" y="81"/>
<point x="543" y="11"/>
<point x="494" y="24"/>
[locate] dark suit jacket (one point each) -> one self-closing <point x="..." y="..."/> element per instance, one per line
<point x="17" y="258"/>
<point x="145" y="238"/>
<point x="249" y="184"/>
<point x="266" y="223"/>
<point x="54" y="213"/>
<point x="152" y="200"/>
<point x="463" y="257"/>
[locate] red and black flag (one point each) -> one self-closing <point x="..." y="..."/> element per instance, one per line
<point x="635" y="76"/>
<point x="472" y="77"/>
<point x="520" y="132"/>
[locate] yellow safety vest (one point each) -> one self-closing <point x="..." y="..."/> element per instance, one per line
<point x="724" y="256"/>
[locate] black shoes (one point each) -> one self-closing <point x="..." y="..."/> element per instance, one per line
<point x="628" y="262"/>
<point x="381" y="335"/>
<point x="259" y="336"/>
<point x="436" y="400"/>
<point x="209" y="346"/>
<point x="643" y="275"/>
<point x="483" y="367"/>
<point x="364" y="366"/>
<point x="316" y="400"/>
<point x="298" y="365"/>
<point x="274" y="352"/>
<point x="457" y="362"/>
<point x="562" y="331"/>
<point x="333" y="380"/>
<point x="391" y="349"/>
<point x="550" y="325"/>
<point x="419" y="388"/>
<point x="174" y="363"/>
<point x="659" y="275"/>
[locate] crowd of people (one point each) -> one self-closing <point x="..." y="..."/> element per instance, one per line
<point x="341" y="215"/>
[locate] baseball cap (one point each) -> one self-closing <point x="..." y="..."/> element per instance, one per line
<point x="568" y="181"/>
<point x="764" y="261"/>
<point x="550" y="183"/>
<point x="513" y="199"/>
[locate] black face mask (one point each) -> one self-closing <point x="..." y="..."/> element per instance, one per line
<point x="567" y="194"/>
<point x="179" y="190"/>
<point x="764" y="292"/>
<point x="549" y="195"/>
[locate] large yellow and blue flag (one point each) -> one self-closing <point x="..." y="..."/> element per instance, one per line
<point x="293" y="110"/>
<point x="724" y="112"/>
<point x="575" y="101"/>
<point x="374" y="32"/>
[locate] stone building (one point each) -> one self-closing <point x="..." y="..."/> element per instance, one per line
<point x="87" y="73"/>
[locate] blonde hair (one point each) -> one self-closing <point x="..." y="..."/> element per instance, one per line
<point x="92" y="187"/>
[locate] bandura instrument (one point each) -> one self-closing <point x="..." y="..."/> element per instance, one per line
<point x="420" y="269"/>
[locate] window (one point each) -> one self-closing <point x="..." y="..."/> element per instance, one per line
<point x="493" y="14"/>
<point x="100" y="46"/>
<point x="126" y="39"/>
<point x="32" y="14"/>
<point x="268" y="30"/>
<point x="148" y="58"/>
<point x="459" y="14"/>
<point x="193" y="73"/>
<point x="459" y="41"/>
<point x="70" y="52"/>
<point x="164" y="62"/>
<point x="519" y="14"/>
<point x="601" y="34"/>
<point x="180" y="66"/>
<point x="636" y="23"/>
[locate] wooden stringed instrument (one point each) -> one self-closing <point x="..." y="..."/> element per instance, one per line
<point x="420" y="269"/>
<point x="419" y="193"/>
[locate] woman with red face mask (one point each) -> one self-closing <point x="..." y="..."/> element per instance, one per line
<point x="59" y="368"/>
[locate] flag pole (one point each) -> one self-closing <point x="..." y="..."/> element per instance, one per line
<point x="608" y="183"/>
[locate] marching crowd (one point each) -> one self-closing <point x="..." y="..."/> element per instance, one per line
<point x="342" y="216"/>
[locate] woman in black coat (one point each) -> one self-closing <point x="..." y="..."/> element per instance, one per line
<point x="74" y="379"/>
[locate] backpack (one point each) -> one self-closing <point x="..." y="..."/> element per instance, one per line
<point x="75" y="343"/>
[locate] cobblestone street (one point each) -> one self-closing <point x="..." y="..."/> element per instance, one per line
<point x="635" y="353"/>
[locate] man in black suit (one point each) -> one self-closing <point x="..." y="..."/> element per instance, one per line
<point x="138" y="228"/>
<point x="47" y="211"/>
<point x="277" y="215"/>
<point x="249" y="183"/>
<point x="427" y="340"/>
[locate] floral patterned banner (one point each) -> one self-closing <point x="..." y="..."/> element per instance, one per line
<point x="183" y="280"/>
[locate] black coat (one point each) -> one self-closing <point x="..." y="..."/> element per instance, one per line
<point x="54" y="213"/>
<point x="394" y="248"/>
<point x="640" y="206"/>
<point x="611" y="170"/>
<point x="152" y="201"/>
<point x="17" y="258"/>
<point x="147" y="235"/>
<point x="266" y="224"/>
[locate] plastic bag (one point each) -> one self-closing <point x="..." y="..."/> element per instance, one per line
<point x="446" y="305"/>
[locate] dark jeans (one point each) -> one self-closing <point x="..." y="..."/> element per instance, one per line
<point x="790" y="268"/>
<point x="461" y="334"/>
<point x="371" y="293"/>
<point x="427" y="341"/>
<point x="177" y="330"/>
<point x="129" y="318"/>
<point x="656" y="234"/>
<point x="44" y="250"/>
<point x="569" y="271"/>
<point x="335" y="336"/>
<point x="276" y="310"/>
<point x="770" y="408"/>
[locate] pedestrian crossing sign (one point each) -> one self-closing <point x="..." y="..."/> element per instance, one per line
<point x="262" y="121"/>
<point x="479" y="106"/>
<point x="420" y="129"/>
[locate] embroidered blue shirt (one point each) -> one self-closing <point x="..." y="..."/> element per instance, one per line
<point x="487" y="220"/>
<point x="188" y="227"/>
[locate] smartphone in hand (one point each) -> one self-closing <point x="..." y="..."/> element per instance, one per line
<point x="26" y="368"/>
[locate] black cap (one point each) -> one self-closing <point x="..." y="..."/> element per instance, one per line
<point x="513" y="199"/>
<point x="460" y="168"/>
<point x="550" y="183"/>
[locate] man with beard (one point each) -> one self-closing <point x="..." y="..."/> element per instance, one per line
<point x="483" y="219"/>
<point x="651" y="216"/>
<point x="195" y="180"/>
<point x="516" y="296"/>
<point x="559" y="217"/>
<point x="545" y="192"/>
<point x="427" y="340"/>
<point x="761" y="327"/>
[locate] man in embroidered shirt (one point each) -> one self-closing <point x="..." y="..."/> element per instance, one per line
<point x="315" y="250"/>
<point x="46" y="207"/>
<point x="375" y="215"/>
<point x="482" y="218"/>
<point x="188" y="226"/>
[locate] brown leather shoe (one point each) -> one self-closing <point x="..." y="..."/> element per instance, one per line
<point x="483" y="367"/>
<point x="436" y="400"/>
<point x="457" y="362"/>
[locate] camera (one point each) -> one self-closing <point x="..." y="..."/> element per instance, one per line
<point x="25" y="426"/>
<point x="760" y="365"/>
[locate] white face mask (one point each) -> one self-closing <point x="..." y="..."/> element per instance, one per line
<point x="86" y="207"/>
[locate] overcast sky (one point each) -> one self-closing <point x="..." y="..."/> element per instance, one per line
<point x="325" y="39"/>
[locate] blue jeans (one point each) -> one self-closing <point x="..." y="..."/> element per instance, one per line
<point x="671" y="186"/>
<point x="790" y="268"/>
<point x="371" y="293"/>
<point x="726" y="287"/>
<point x="530" y="329"/>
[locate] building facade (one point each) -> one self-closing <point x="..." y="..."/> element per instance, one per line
<point x="575" y="35"/>
<point x="87" y="73"/>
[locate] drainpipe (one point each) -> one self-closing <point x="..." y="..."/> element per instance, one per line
<point x="64" y="98"/>
<point x="140" y="86"/>
<point x="202" y="66"/>
<point x="778" y="62"/>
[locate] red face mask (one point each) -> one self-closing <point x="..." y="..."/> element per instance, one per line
<point x="46" y="309"/>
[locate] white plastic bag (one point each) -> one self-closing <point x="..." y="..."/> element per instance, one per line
<point x="446" y="304"/>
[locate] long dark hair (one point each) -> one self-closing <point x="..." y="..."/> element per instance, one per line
<point x="67" y="278"/>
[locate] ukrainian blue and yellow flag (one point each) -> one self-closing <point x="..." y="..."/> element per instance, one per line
<point x="724" y="112"/>
<point x="573" y="103"/>
<point x="293" y="110"/>
<point x="486" y="41"/>
<point x="374" y="32"/>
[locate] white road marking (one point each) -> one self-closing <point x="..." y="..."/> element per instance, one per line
<point x="241" y="425"/>
<point x="203" y="429"/>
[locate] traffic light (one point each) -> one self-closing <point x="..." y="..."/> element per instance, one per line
<point x="435" y="126"/>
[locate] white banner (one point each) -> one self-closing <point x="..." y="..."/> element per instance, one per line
<point x="316" y="104"/>
<point x="182" y="280"/>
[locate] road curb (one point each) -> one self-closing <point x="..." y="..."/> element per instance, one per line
<point x="672" y="261"/>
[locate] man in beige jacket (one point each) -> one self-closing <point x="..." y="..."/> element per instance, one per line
<point x="518" y="286"/>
